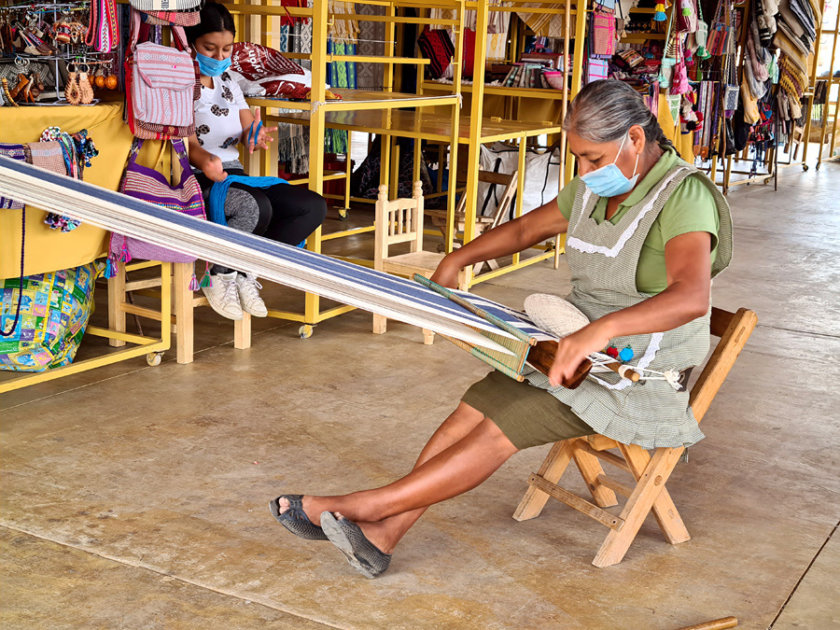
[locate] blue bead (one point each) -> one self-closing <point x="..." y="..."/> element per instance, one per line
<point x="626" y="354"/>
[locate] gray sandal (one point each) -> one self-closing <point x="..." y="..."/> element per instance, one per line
<point x="294" y="519"/>
<point x="362" y="554"/>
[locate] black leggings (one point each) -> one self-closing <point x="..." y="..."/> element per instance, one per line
<point x="283" y="213"/>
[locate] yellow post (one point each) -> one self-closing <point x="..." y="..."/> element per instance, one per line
<point x="316" y="133"/>
<point x="476" y="113"/>
<point x="456" y="121"/>
<point x="577" y="70"/>
<point x="520" y="185"/>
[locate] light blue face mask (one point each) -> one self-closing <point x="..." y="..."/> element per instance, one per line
<point x="609" y="181"/>
<point x="210" y="67"/>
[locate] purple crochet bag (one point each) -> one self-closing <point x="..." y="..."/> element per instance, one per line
<point x="142" y="182"/>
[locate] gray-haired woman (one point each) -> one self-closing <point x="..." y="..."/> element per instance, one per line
<point x="646" y="232"/>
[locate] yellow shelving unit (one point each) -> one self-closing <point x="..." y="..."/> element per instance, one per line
<point x="255" y="18"/>
<point x="483" y="130"/>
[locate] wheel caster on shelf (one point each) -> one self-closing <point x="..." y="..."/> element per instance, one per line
<point x="805" y="168"/>
<point x="154" y="358"/>
<point x="343" y="213"/>
<point x="305" y="331"/>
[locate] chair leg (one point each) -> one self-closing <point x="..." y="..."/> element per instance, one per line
<point x="242" y="332"/>
<point x="590" y="468"/>
<point x="380" y="324"/>
<point x="181" y="275"/>
<point x="551" y="470"/>
<point x="669" y="519"/>
<point x="116" y="299"/>
<point x="649" y="487"/>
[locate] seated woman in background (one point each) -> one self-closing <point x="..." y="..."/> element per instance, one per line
<point x="223" y="120"/>
<point x="646" y="232"/>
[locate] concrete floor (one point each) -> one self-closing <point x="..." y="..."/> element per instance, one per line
<point x="136" y="497"/>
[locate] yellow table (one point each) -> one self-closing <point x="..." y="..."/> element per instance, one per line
<point x="47" y="249"/>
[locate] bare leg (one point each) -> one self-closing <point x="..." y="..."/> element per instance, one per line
<point x="456" y="426"/>
<point x="465" y="451"/>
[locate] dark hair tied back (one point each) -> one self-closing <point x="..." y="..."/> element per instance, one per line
<point x="215" y="18"/>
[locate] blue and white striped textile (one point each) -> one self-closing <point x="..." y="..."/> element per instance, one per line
<point x="368" y="289"/>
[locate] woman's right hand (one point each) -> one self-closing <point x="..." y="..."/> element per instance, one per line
<point x="213" y="169"/>
<point x="446" y="274"/>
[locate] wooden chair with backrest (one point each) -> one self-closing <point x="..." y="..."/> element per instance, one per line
<point x="482" y="223"/>
<point x="397" y="222"/>
<point x="649" y="471"/>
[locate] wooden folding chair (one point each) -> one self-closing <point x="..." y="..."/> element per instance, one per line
<point x="482" y="223"/>
<point x="650" y="472"/>
<point x="401" y="221"/>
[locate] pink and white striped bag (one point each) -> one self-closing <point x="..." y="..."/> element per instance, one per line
<point x="162" y="89"/>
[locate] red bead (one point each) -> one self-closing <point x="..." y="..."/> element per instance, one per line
<point x="613" y="352"/>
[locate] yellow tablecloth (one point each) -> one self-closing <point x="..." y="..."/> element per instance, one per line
<point x="47" y="249"/>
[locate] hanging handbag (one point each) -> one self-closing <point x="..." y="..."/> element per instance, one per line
<point x="669" y="56"/>
<point x="147" y="184"/>
<point x="165" y="5"/>
<point x="179" y="18"/>
<point x="602" y="39"/>
<point x="161" y="87"/>
<point x="721" y="35"/>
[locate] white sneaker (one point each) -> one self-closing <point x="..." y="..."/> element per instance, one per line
<point x="249" y="295"/>
<point x="223" y="295"/>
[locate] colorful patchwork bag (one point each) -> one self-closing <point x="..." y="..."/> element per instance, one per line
<point x="54" y="309"/>
<point x="147" y="184"/>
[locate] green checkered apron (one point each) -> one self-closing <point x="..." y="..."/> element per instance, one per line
<point x="603" y="260"/>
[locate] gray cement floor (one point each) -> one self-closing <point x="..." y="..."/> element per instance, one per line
<point x="136" y="497"/>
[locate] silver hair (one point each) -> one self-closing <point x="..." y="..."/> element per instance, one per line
<point x="603" y="111"/>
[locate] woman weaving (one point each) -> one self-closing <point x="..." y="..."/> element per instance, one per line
<point x="266" y="206"/>
<point x="646" y="232"/>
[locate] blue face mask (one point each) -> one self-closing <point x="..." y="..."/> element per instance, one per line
<point x="211" y="67"/>
<point x="609" y="181"/>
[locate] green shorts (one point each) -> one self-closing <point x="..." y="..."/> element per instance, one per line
<point x="527" y="415"/>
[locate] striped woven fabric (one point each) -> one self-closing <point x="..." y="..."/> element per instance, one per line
<point x="162" y="86"/>
<point x="16" y="152"/>
<point x="375" y="291"/>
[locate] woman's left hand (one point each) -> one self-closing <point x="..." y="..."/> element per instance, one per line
<point x="574" y="348"/>
<point x="258" y="136"/>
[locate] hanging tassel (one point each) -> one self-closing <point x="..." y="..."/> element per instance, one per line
<point x="660" y="16"/>
<point x="206" y="279"/>
<point x="124" y="255"/>
<point x="194" y="286"/>
<point x="110" y="268"/>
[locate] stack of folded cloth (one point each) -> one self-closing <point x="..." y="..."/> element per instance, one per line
<point x="796" y="25"/>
